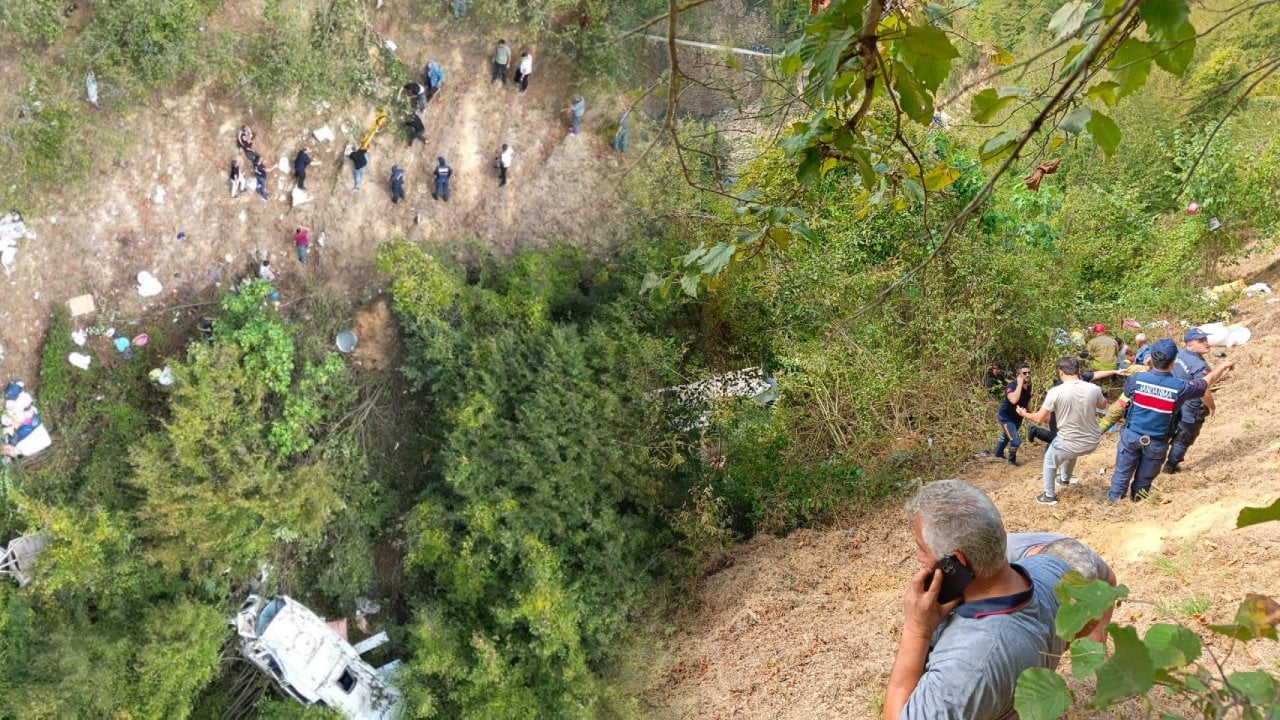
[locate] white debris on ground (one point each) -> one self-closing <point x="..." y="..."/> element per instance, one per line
<point x="148" y="285"/>
<point x="390" y="45"/>
<point x="80" y="360"/>
<point x="12" y="229"/>
<point x="1258" y="289"/>
<point x="158" y="196"/>
<point x="91" y="88"/>
<point x="324" y="134"/>
<point x="300" y="197"/>
<point x="79" y="337"/>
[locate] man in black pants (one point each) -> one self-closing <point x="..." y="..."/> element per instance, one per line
<point x="417" y="131"/>
<point x="397" y="184"/>
<point x="300" y="164"/>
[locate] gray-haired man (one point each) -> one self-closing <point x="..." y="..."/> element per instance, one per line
<point x="962" y="659"/>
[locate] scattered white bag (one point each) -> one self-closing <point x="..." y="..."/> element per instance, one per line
<point x="1217" y="333"/>
<point x="80" y="360"/>
<point x="148" y="285"/>
<point x="1238" y="335"/>
<point x="1258" y="289"/>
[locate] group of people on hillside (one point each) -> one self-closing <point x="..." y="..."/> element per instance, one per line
<point x="1163" y="405"/>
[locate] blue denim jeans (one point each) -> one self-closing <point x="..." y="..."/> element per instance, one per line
<point x="1136" y="465"/>
<point x="359" y="172"/>
<point x="1008" y="436"/>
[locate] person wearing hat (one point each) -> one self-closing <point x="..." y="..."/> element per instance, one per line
<point x="1102" y="349"/>
<point x="1156" y="398"/>
<point x="1188" y="365"/>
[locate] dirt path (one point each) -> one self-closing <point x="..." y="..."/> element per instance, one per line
<point x="171" y="178"/>
<point x="806" y="626"/>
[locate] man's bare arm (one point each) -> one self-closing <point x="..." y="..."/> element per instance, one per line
<point x="1039" y="417"/>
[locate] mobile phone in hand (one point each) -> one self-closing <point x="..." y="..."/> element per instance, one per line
<point x="955" y="578"/>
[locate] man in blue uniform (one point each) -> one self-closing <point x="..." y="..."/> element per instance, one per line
<point x="1188" y="365"/>
<point x="1156" y="398"/>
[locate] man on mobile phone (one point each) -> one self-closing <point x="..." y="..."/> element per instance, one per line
<point x="962" y="659"/>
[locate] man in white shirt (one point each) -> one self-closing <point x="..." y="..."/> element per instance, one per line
<point x="1074" y="403"/>
<point x="524" y="70"/>
<point x="504" y="163"/>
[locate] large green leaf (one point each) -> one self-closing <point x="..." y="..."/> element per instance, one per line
<point x="986" y="104"/>
<point x="929" y="41"/>
<point x="1172" y="35"/>
<point x="1041" y="694"/>
<point x="1068" y="19"/>
<point x="1128" y="672"/>
<point x="915" y="99"/>
<point x="1130" y="66"/>
<point x="1163" y="16"/>
<point x="717" y="258"/>
<point x="1083" y="602"/>
<point x="1086" y="656"/>
<point x="1000" y="145"/>
<point x="1252" y="516"/>
<point x="1172" y="646"/>
<point x="1104" y="91"/>
<point x="1105" y="132"/>
<point x="1074" y="122"/>
<point x="1257" y="686"/>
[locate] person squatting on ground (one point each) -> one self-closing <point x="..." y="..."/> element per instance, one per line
<point x="442" y="175"/>
<point x="1187" y="365"/>
<point x="1017" y="394"/>
<point x="1074" y="405"/>
<point x="260" y="174"/>
<point x="505" y="158"/>
<point x="300" y="164"/>
<point x="962" y="659"/>
<point x="359" y="161"/>
<point x="501" y="58"/>
<point x="1078" y="556"/>
<point x="397" y="184"/>
<point x="576" y="109"/>
<point x="1156" y="398"/>
<point x="417" y="131"/>
<point x="1102" y="348"/>
<point x="301" y="241"/>
<point x="523" y="71"/>
<point x="244" y="141"/>
<point x="417" y="95"/>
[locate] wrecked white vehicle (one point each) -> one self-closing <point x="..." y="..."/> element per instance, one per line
<point x="313" y="663"/>
<point x="17" y="559"/>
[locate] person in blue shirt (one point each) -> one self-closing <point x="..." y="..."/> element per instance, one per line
<point x="1190" y="364"/>
<point x="1156" y="398"/>
<point x="1144" y="349"/>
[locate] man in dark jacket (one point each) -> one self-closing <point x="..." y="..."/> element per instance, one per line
<point x="442" y="174"/>
<point x="359" y="161"/>
<point x="417" y="131"/>
<point x="397" y="184"/>
<point x="300" y="164"/>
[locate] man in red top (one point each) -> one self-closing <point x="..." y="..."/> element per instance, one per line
<point x="301" y="241"/>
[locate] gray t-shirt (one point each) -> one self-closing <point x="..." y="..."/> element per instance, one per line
<point x="1075" y="405"/>
<point x="502" y="55"/>
<point x="1020" y="543"/>
<point x="980" y="650"/>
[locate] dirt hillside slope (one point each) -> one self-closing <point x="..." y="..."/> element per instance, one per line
<point x="168" y="175"/>
<point x="806" y="626"/>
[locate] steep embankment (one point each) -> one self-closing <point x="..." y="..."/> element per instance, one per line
<point x="806" y="626"/>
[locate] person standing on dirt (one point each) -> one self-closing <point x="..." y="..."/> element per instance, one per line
<point x="1190" y="364"/>
<point x="433" y="75"/>
<point x="1103" y="349"/>
<point x="623" y="137"/>
<point x="443" y="173"/>
<point x="260" y="174"/>
<point x="1155" y="402"/>
<point x="302" y="241"/>
<point x="417" y="130"/>
<point x="236" y="179"/>
<point x="962" y="659"/>
<point x="576" y="109"/>
<point x="523" y="71"/>
<point x="417" y="95"/>
<point x="1046" y="435"/>
<point x="501" y="58"/>
<point x="505" y="158"/>
<point x="397" y="184"/>
<point x="1074" y="404"/>
<point x="1017" y="394"/>
<point x="300" y="164"/>
<point x="359" y="161"/>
